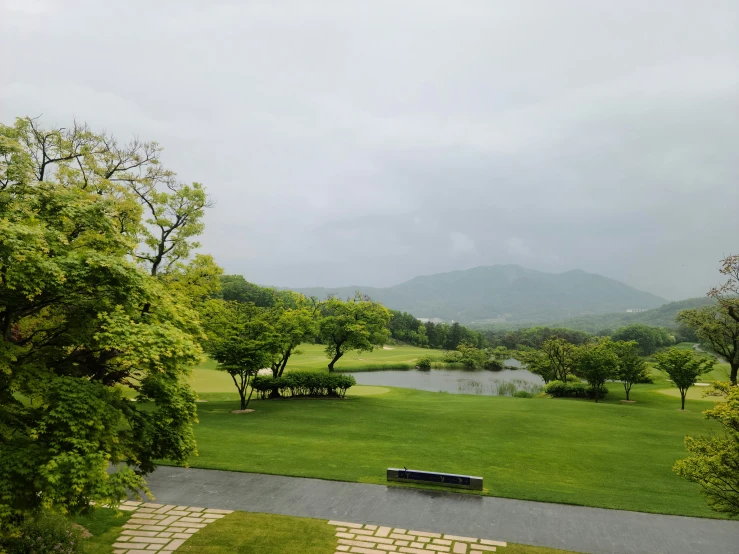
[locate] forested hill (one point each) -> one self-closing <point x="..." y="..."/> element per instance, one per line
<point x="664" y="316"/>
<point x="503" y="293"/>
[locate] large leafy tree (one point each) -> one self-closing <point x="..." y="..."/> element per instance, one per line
<point x="356" y="324"/>
<point x="715" y="326"/>
<point x="683" y="368"/>
<point x="242" y="339"/>
<point x="714" y="460"/>
<point x="295" y="322"/>
<point x="89" y="318"/>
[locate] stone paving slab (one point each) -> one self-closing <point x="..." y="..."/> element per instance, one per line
<point x="161" y="528"/>
<point x="576" y="528"/>
<point x="373" y="539"/>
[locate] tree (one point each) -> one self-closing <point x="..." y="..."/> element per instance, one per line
<point x="536" y="362"/>
<point x="715" y="326"/>
<point x="683" y="368"/>
<point x="84" y="320"/>
<point x="714" y="460"/>
<point x="242" y="341"/>
<point x="561" y="356"/>
<point x="632" y="369"/>
<point x="596" y="363"/>
<point x="292" y="326"/>
<point x="648" y="338"/>
<point x="354" y="324"/>
<point x="728" y="293"/>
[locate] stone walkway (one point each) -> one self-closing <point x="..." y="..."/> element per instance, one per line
<point x="575" y="528"/>
<point x="373" y="539"/>
<point x="160" y="528"/>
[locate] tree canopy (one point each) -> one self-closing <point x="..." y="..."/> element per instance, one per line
<point x="98" y="302"/>
<point x="716" y="328"/>
<point x="355" y="324"/>
<point x="683" y="368"/>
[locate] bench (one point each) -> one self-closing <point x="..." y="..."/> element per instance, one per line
<point x="405" y="475"/>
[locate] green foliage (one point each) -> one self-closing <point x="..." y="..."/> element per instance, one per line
<point x="305" y="383"/>
<point x="242" y="339"/>
<point x="492" y="365"/>
<point x="716" y="327"/>
<point x="535" y="337"/>
<point x="97" y="299"/>
<point x="523" y="394"/>
<point x="237" y="289"/>
<point x="597" y="363"/>
<point x="714" y="460"/>
<point x="43" y="533"/>
<point x="355" y="324"/>
<point x="632" y="369"/>
<point x="406" y="328"/>
<point x="424" y="363"/>
<point x="683" y="367"/>
<point x="470" y="356"/>
<point x="648" y="338"/>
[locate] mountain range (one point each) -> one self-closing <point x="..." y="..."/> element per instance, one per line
<point x="503" y="293"/>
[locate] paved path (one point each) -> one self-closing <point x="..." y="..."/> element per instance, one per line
<point x="555" y="525"/>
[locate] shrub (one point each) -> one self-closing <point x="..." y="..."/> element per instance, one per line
<point x="305" y="383"/>
<point x="523" y="394"/>
<point x="44" y="533"/>
<point x="492" y="365"/>
<point x="572" y="389"/>
<point x="424" y="363"/>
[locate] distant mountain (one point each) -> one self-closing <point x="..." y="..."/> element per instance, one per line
<point x="503" y="293"/>
<point x="664" y="316"/>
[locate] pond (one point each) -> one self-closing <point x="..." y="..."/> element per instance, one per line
<point x="456" y="381"/>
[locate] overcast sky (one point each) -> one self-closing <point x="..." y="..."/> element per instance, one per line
<point x="365" y="143"/>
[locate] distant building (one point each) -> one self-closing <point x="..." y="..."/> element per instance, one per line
<point x="430" y="320"/>
<point x="635" y="310"/>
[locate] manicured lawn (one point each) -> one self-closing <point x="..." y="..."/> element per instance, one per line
<point x="611" y="455"/>
<point x="105" y="525"/>
<point x="251" y="533"/>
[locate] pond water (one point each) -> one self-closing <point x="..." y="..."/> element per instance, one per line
<point x="456" y="381"/>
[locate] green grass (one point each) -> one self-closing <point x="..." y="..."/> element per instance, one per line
<point x="105" y="525"/>
<point x="252" y="533"/>
<point x="610" y="455"/>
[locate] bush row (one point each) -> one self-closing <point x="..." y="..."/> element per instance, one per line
<point x="44" y="533"/>
<point x="573" y="389"/>
<point x="304" y="383"/>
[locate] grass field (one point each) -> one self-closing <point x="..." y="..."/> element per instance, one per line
<point x="105" y="525"/>
<point x="249" y="533"/>
<point x="611" y="455"/>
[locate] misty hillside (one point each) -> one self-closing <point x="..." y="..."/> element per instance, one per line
<point x="504" y="293"/>
<point x="664" y="316"/>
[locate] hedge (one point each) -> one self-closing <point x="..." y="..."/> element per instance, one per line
<point x="572" y="389"/>
<point x="304" y="383"/>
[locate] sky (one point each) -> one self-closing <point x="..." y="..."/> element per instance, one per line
<point x="364" y="143"/>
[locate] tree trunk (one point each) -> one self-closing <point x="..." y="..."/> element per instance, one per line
<point x="247" y="400"/>
<point x="682" y="398"/>
<point x="242" y="396"/>
<point x="332" y="362"/>
<point x="627" y="392"/>
<point x="734" y="368"/>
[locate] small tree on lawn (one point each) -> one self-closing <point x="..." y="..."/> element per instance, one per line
<point x="683" y="368"/>
<point x="536" y="362"/>
<point x="632" y="369"/>
<point x="561" y="356"/>
<point x="241" y="340"/>
<point x="596" y="363"/>
<point x="356" y="324"/>
<point x="714" y="460"/>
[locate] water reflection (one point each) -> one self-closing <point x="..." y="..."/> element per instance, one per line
<point x="456" y="381"/>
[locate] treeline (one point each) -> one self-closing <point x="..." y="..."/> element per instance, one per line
<point x="404" y="327"/>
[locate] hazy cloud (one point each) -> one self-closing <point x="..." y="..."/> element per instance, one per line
<point x="354" y="143"/>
